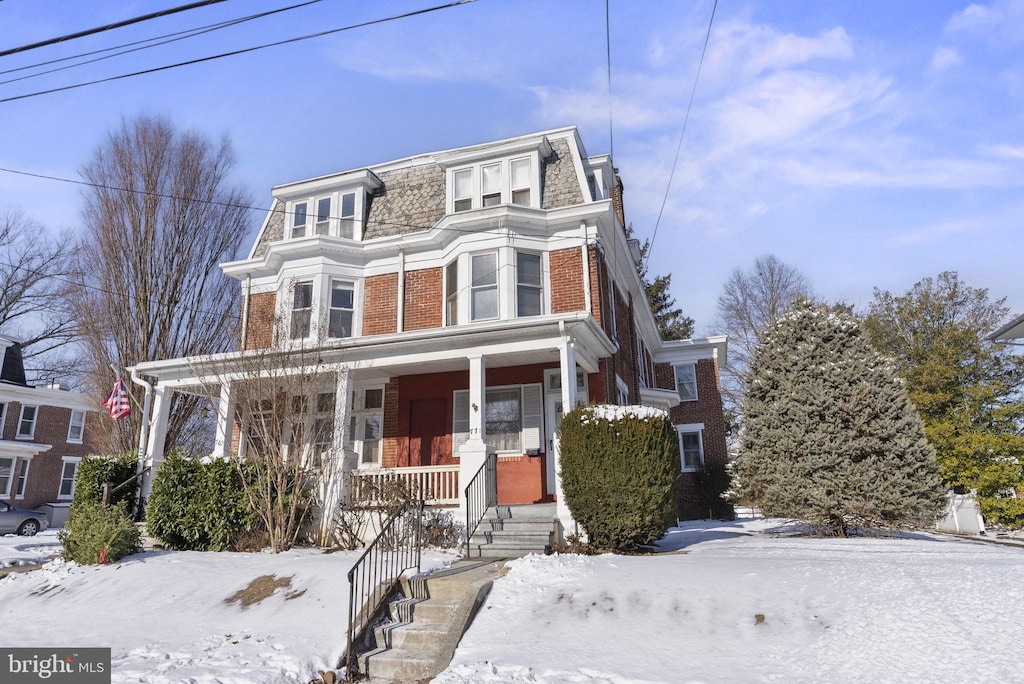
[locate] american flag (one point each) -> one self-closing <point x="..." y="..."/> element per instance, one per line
<point x="117" y="402"/>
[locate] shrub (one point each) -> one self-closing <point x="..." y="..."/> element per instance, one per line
<point x="93" y="471"/>
<point x="94" y="532"/>
<point x="620" y="473"/>
<point x="200" y="506"/>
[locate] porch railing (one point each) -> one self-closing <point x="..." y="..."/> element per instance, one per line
<point x="378" y="571"/>
<point x="436" y="485"/>
<point x="481" y="494"/>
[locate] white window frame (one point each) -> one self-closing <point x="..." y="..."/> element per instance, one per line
<point x="6" y="492"/>
<point x="622" y="391"/>
<point x="3" y="417"/>
<point x="337" y="224"/>
<point x="320" y="304"/>
<point x="293" y="214"/>
<point x="451" y="293"/>
<point x="293" y="290"/>
<point x="642" y="354"/>
<point x="496" y="286"/>
<point x="80" y="424"/>
<point x="19" y="434"/>
<point x="67" y="460"/>
<point x="679" y="387"/>
<point x="360" y="414"/>
<point x="531" y="418"/>
<point x="507" y="193"/>
<point x="539" y="287"/>
<point x="22" y="478"/>
<point x="331" y="308"/>
<point x="313" y="444"/>
<point x="322" y="226"/>
<point x="690" y="429"/>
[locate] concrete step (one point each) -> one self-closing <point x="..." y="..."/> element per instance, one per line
<point x="435" y="611"/>
<point x="399" y="665"/>
<point x="504" y="549"/>
<point x="419" y="637"/>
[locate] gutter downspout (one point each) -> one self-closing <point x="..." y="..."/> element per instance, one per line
<point x="585" y="252"/>
<point x="400" y="327"/>
<point x="245" y="315"/>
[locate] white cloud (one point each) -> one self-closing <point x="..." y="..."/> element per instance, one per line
<point x="1001" y="21"/>
<point x="1004" y="151"/>
<point x="936" y="232"/>
<point x="943" y="59"/>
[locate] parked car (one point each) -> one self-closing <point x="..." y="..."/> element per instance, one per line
<point x="19" y="521"/>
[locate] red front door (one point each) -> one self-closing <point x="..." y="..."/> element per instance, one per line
<point x="427" y="431"/>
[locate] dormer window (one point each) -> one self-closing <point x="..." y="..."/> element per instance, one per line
<point x="299" y="220"/>
<point x="492" y="183"/>
<point x="323" y="215"/>
<point x="347" y="220"/>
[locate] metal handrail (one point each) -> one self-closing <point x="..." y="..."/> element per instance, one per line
<point x="481" y="494"/>
<point x="109" y="489"/>
<point x="374" y="576"/>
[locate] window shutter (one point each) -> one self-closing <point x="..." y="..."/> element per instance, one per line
<point x="460" y="420"/>
<point x="533" y="412"/>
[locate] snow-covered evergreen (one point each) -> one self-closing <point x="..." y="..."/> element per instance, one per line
<point x="830" y="436"/>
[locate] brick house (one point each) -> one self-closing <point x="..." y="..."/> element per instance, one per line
<point x="457" y="302"/>
<point x="44" y="433"/>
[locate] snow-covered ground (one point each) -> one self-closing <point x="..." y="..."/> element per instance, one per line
<point x="726" y="602"/>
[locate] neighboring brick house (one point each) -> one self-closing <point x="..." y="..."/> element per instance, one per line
<point x="458" y="300"/>
<point x="44" y="433"/>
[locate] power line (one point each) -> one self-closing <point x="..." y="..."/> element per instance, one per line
<point x="108" y="27"/>
<point x="171" y="38"/>
<point x="242" y="51"/>
<point x="611" y="99"/>
<point x="679" y="147"/>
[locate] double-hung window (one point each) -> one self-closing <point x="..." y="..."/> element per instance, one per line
<point x="529" y="284"/>
<point x="302" y="309"/>
<point x="462" y="188"/>
<point x="342" y="309"/>
<point x="451" y="293"/>
<point x="76" y="427"/>
<point x="512" y="418"/>
<point x="691" y="447"/>
<point x="686" y="382"/>
<point x="347" y="220"/>
<point x="299" y="210"/>
<point x="27" y="422"/>
<point x="67" y="477"/>
<point x="19" y="490"/>
<point x="323" y="216"/>
<point x="484" y="286"/>
<point x="490" y="183"/>
<point x="366" y="424"/>
<point x="6" y="476"/>
<point x="520" y="181"/>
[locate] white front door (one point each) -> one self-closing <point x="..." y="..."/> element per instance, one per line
<point x="553" y="415"/>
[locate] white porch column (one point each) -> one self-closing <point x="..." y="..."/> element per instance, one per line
<point x="225" y="423"/>
<point x="567" y="366"/>
<point x="339" y="460"/>
<point x="157" y="435"/>
<point x="473" y="453"/>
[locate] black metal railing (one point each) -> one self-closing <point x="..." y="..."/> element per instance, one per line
<point x="378" y="571"/>
<point x="481" y="494"/>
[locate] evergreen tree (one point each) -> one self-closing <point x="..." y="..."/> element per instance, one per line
<point x="966" y="387"/>
<point x="672" y="324"/>
<point x="830" y="436"/>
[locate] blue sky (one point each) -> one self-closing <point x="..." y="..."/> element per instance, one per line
<point x="867" y="143"/>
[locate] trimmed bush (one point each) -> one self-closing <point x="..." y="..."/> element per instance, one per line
<point x="620" y="473"/>
<point x="95" y="533"/>
<point x="199" y="506"/>
<point x="93" y="471"/>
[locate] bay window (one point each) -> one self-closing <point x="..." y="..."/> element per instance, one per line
<point x="342" y="309"/>
<point x="451" y="293"/>
<point x="484" y="286"/>
<point x="529" y="286"/>
<point x="302" y="310"/>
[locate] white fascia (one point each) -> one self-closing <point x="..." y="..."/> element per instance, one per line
<point x="691" y="351"/>
<point x="26" y="450"/>
<point x="45" y="396"/>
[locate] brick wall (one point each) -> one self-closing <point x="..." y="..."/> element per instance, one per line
<point x="389" y="430"/>
<point x="567" y="293"/>
<point x="697" y="494"/>
<point x="380" y="304"/>
<point x="424" y="299"/>
<point x="262" y="316"/>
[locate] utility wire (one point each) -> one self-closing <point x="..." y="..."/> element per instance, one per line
<point x="242" y="51"/>
<point x="108" y="27"/>
<point x="170" y="38"/>
<point x="679" y="147"/>
<point x="611" y="100"/>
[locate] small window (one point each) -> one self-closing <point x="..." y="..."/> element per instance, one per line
<point x="325" y="402"/>
<point x="77" y="427"/>
<point x="22" y="479"/>
<point x="348" y="216"/>
<point x="373" y="399"/>
<point x="520" y="172"/>
<point x="67" y="479"/>
<point x="484" y="289"/>
<point x="490" y="185"/>
<point x="6" y="476"/>
<point x="302" y="310"/>
<point x="463" y="182"/>
<point x="323" y="216"/>
<point x="299" y="220"/>
<point x="451" y="292"/>
<point x="27" y="422"/>
<point x="503" y="418"/>
<point x="529" y="289"/>
<point x="686" y="382"/>
<point x="691" y="450"/>
<point x="371" y="440"/>
<point x="341" y="310"/>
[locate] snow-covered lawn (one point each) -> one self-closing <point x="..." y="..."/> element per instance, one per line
<point x="879" y="610"/>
